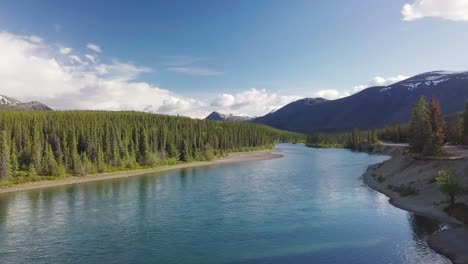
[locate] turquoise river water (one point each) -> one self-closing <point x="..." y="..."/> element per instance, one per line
<point x="310" y="206"/>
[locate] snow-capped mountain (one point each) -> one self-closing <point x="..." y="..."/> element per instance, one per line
<point x="8" y="103"/>
<point x="223" y="117"/>
<point x="4" y="100"/>
<point x="373" y="107"/>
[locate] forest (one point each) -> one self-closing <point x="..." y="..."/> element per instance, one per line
<point x="426" y="132"/>
<point x="37" y="145"/>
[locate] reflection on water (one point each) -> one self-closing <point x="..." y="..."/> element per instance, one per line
<point x="308" y="207"/>
<point x="422" y="226"/>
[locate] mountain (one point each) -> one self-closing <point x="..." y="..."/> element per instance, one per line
<point x="8" y="103"/>
<point x="222" y="117"/>
<point x="373" y="107"/>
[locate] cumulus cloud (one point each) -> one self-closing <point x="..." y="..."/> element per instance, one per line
<point x="329" y="94"/>
<point x="332" y="94"/>
<point x="35" y="39"/>
<point x="455" y="10"/>
<point x="252" y="102"/>
<point x="65" y="50"/>
<point x="94" y="47"/>
<point x="32" y="70"/>
<point x="27" y="72"/>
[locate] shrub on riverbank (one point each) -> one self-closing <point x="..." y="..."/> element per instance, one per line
<point x="449" y="184"/>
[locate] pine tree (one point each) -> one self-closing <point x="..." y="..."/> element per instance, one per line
<point x="184" y="151"/>
<point x="76" y="142"/>
<point x="143" y="148"/>
<point x="32" y="171"/>
<point x="5" y="168"/>
<point x="437" y="123"/>
<point x="36" y="149"/>
<point x="100" y="162"/>
<point x="48" y="161"/>
<point x="420" y="129"/>
<point x="14" y="163"/>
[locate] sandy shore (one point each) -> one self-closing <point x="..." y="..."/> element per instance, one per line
<point x="419" y="175"/>
<point x="231" y="158"/>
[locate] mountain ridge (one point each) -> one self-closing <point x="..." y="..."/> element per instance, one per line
<point x="217" y="116"/>
<point x="373" y="107"/>
<point x="8" y="103"/>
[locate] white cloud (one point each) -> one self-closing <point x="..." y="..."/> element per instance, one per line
<point x="332" y="94"/>
<point x="91" y="58"/>
<point x="35" y="39"/>
<point x="194" y="71"/>
<point x="455" y="10"/>
<point x="329" y="94"/>
<point x="65" y="50"/>
<point x="94" y="47"/>
<point x="252" y="102"/>
<point x="121" y="71"/>
<point x="27" y="72"/>
<point x="75" y="58"/>
<point x="381" y="81"/>
<point x="31" y="71"/>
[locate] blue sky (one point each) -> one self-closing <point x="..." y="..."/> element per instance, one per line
<point x="225" y="55"/>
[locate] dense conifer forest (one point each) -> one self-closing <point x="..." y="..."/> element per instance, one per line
<point x="426" y="132"/>
<point x="39" y="145"/>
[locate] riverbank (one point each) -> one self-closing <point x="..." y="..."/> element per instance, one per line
<point x="231" y="158"/>
<point x="410" y="185"/>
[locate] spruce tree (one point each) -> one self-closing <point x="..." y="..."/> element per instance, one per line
<point x="14" y="163"/>
<point x="184" y="151"/>
<point x="420" y="129"/>
<point x="5" y="168"/>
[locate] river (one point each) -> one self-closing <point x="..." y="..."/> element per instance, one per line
<point x="310" y="206"/>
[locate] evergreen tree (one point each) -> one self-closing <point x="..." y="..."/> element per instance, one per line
<point x="5" y="168"/>
<point x="81" y="142"/>
<point x="420" y="129"/>
<point x="32" y="171"/>
<point x="14" y="163"/>
<point x="143" y="149"/>
<point x="184" y="151"/>
<point x="48" y="161"/>
<point x="437" y="123"/>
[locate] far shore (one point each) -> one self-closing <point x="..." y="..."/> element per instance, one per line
<point x="401" y="170"/>
<point x="235" y="157"/>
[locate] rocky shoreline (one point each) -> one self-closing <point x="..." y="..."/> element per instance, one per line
<point x="410" y="185"/>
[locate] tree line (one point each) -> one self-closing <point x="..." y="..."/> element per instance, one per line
<point x="426" y="132"/>
<point x="356" y="139"/>
<point x="54" y="144"/>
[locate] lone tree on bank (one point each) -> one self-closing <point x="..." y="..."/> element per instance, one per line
<point x="448" y="184"/>
<point x="437" y="124"/>
<point x="421" y="140"/>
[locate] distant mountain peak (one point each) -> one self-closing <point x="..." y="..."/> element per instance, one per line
<point x="229" y="117"/>
<point x="8" y="103"/>
<point x="5" y="100"/>
<point x="427" y="79"/>
<point x="374" y="107"/>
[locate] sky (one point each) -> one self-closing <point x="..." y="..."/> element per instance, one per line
<point x="241" y="57"/>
